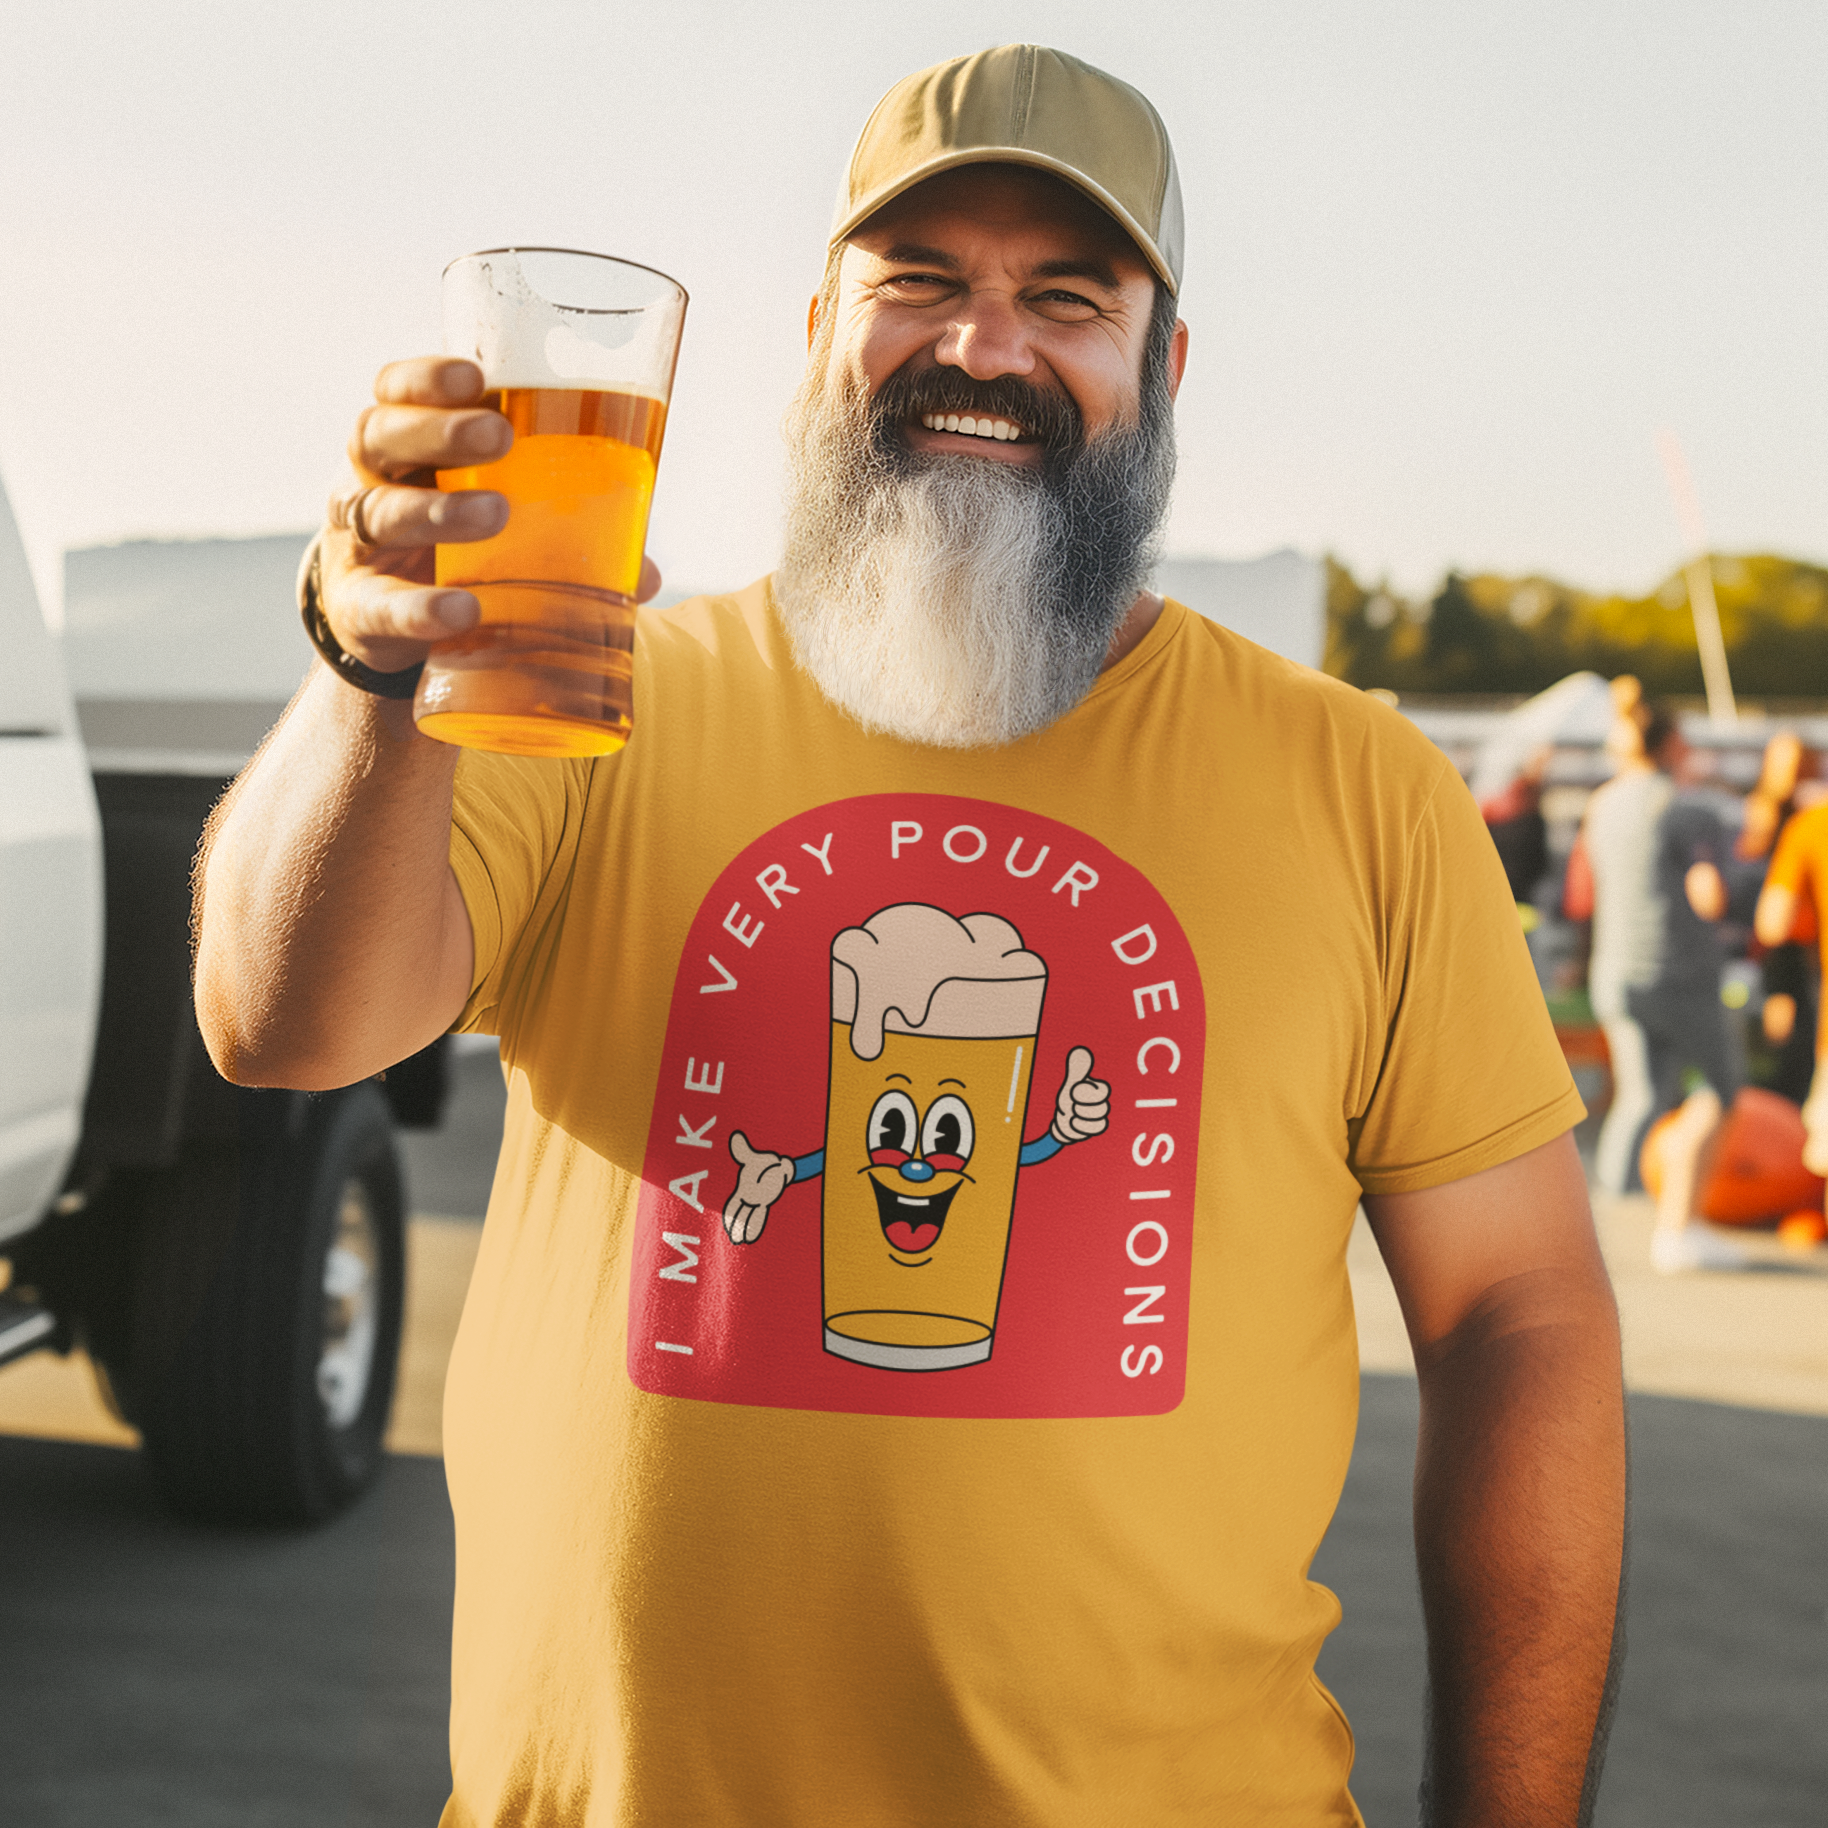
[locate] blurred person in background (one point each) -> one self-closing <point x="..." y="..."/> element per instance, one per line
<point x="1790" y="912"/>
<point x="1514" y="818"/>
<point x="1650" y="872"/>
<point x="1790" y="990"/>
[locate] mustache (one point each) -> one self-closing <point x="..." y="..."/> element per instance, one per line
<point x="1052" y="419"/>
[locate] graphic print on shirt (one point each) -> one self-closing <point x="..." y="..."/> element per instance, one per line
<point x="847" y="1204"/>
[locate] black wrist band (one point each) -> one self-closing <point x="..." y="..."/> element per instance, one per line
<point x="345" y="665"/>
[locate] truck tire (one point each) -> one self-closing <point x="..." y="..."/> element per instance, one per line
<point x="268" y="1291"/>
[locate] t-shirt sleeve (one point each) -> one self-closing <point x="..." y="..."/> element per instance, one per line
<point x="1471" y="1073"/>
<point x="1790" y="861"/>
<point x="514" y="833"/>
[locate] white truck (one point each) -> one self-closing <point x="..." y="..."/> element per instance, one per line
<point x="232" y="1261"/>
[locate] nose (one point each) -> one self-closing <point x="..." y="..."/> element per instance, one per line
<point x="986" y="338"/>
<point x="917" y="1170"/>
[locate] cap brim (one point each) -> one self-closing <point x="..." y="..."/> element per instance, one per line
<point x="847" y="225"/>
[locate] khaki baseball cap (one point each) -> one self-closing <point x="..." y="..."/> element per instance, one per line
<point x="1023" y="104"/>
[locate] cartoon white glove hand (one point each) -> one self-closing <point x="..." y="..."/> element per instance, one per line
<point x="761" y="1179"/>
<point x="1083" y="1108"/>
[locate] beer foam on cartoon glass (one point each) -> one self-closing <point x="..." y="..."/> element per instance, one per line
<point x="933" y="1032"/>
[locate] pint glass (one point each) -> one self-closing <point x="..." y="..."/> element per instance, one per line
<point x="577" y="351"/>
<point x="922" y="1149"/>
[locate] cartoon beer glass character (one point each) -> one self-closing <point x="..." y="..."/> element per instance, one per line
<point x="933" y="1027"/>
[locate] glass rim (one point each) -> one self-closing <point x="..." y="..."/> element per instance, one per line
<point x="521" y="247"/>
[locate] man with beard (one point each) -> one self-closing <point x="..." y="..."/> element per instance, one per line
<point x="711" y="1571"/>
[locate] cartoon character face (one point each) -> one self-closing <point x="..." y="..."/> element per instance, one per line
<point x="921" y="1153"/>
<point x="917" y="1163"/>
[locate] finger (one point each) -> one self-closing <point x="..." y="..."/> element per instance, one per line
<point x="391" y="517"/>
<point x="394" y="441"/>
<point x="1078" y="1064"/>
<point x="430" y="380"/>
<point x="649" y="587"/>
<point x="370" y="612"/>
<point x="739" y="1147"/>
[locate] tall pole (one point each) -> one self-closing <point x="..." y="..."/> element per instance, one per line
<point x="1721" y="710"/>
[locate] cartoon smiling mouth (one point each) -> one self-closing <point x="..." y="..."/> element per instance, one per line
<point x="912" y="1224"/>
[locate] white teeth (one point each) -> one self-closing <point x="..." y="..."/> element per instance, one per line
<point x="1003" y="431"/>
<point x="901" y="1199"/>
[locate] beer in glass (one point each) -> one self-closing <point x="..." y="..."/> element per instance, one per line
<point x="578" y="352"/>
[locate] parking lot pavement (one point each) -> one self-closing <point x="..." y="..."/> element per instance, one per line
<point x="161" y="1675"/>
<point x="1722" y="1710"/>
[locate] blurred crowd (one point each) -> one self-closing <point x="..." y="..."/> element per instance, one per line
<point x="1679" y="939"/>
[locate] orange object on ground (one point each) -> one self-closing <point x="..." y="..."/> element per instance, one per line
<point x="1803" y="1230"/>
<point x="1757" y="1171"/>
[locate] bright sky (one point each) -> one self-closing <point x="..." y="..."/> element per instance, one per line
<point x="1451" y="267"/>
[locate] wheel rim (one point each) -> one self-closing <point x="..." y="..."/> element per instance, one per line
<point x="352" y="1301"/>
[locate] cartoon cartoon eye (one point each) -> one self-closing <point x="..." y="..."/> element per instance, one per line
<point x="892" y="1125"/>
<point x="947" y="1136"/>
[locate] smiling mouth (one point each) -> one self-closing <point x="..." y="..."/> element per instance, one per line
<point x="1002" y="431"/>
<point x="911" y="1224"/>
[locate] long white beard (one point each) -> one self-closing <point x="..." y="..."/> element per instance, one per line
<point x="950" y="601"/>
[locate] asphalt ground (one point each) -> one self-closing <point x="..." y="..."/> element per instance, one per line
<point x="158" y="1674"/>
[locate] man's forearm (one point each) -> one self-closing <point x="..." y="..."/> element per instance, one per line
<point x="1520" y="1520"/>
<point x="331" y="942"/>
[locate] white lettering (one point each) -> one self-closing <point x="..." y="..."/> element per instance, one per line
<point x="983" y="843"/>
<point x="820" y="853"/>
<point x="774" y="884"/>
<point x="704" y="1082"/>
<point x="1155" y="1104"/>
<point x="1143" y="1052"/>
<point x="748" y="931"/>
<point x="1143" y="936"/>
<point x="1080" y="876"/>
<point x="1146" y="1353"/>
<point x="1136" y="1231"/>
<point x="1009" y="862"/>
<point x="1150" y="1193"/>
<point x="1161" y="1148"/>
<point x="729" y="983"/>
<point x="902" y="831"/>
<point x="1137" y="1316"/>
<point x="687" y="1185"/>
<point x="1155" y="993"/>
<point x="700" y="1138"/>
<point x="686" y="1244"/>
<point x="662" y="1345"/>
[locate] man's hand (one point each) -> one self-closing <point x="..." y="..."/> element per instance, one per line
<point x="762" y="1178"/>
<point x="1520" y="1484"/>
<point x="1705" y="888"/>
<point x="387" y="515"/>
<point x="1083" y="1108"/>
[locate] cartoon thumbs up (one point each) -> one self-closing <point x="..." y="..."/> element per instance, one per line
<point x="1083" y="1108"/>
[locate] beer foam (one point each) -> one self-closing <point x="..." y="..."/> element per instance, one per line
<point x="916" y="970"/>
<point x="621" y="330"/>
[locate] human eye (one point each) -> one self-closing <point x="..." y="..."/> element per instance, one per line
<point x="916" y="288"/>
<point x="1066" y="307"/>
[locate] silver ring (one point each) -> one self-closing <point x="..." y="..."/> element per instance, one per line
<point x="348" y="514"/>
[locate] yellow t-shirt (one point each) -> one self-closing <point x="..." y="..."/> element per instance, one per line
<point x="981" y="1486"/>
